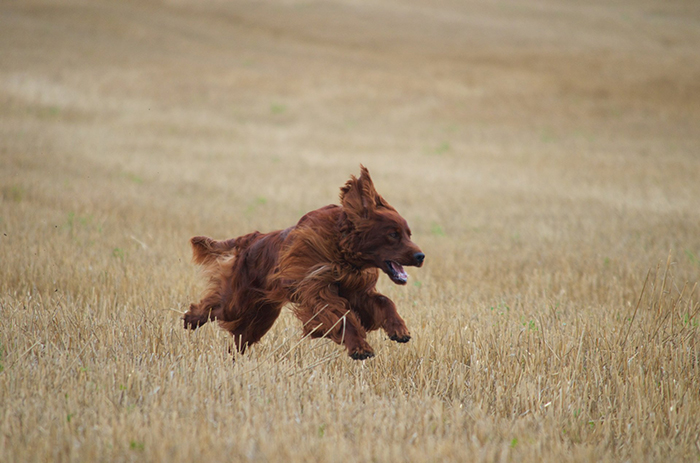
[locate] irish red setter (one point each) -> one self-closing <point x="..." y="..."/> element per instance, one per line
<point x="327" y="266"/>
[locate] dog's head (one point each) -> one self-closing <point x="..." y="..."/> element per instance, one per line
<point x="380" y="237"/>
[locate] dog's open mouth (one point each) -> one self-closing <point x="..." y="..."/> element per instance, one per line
<point x="396" y="272"/>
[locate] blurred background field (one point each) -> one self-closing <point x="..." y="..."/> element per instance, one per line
<point x="545" y="153"/>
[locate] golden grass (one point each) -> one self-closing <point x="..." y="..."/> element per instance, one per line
<point x="546" y="159"/>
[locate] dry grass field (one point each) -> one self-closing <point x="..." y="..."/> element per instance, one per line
<point x="546" y="154"/>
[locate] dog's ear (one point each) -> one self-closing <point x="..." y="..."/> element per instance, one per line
<point x="358" y="196"/>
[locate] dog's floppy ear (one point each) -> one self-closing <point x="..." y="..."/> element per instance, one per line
<point x="358" y="196"/>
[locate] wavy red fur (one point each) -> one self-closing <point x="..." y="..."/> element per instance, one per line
<point x="327" y="266"/>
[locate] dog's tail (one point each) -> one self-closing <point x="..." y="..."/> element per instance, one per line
<point x="206" y="250"/>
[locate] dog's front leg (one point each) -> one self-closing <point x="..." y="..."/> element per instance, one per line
<point x="334" y="321"/>
<point x="392" y="323"/>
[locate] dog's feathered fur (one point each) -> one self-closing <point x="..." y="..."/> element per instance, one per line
<point x="327" y="266"/>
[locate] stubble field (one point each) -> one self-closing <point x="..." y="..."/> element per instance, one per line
<point x="546" y="155"/>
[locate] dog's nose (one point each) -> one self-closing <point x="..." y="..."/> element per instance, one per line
<point x="418" y="257"/>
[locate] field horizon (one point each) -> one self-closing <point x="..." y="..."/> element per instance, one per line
<point x="545" y="154"/>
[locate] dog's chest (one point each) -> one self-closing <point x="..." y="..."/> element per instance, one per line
<point x="357" y="281"/>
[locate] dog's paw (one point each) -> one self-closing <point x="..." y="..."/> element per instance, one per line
<point x="359" y="349"/>
<point x="361" y="355"/>
<point x="398" y="332"/>
<point x="192" y="319"/>
<point x="361" y="352"/>
<point x="401" y="338"/>
<point x="189" y="323"/>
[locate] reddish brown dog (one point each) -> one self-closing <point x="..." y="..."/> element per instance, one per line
<point x="327" y="266"/>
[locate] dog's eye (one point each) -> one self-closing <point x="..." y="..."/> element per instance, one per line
<point x="394" y="235"/>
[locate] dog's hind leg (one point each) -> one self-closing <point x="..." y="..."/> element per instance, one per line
<point x="252" y="325"/>
<point x="207" y="309"/>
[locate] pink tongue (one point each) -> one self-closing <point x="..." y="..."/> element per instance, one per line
<point x="399" y="270"/>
